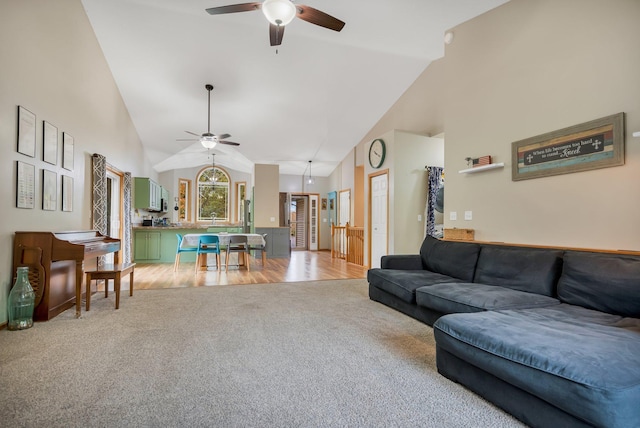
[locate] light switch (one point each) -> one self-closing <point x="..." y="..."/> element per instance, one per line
<point x="453" y="215"/>
<point x="468" y="215"/>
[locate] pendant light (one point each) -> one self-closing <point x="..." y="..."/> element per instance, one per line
<point x="310" y="180"/>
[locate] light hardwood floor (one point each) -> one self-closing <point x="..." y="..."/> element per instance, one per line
<point x="302" y="266"/>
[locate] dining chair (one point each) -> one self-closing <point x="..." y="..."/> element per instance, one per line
<point x="208" y="244"/>
<point x="176" y="263"/>
<point x="238" y="244"/>
<point x="262" y="248"/>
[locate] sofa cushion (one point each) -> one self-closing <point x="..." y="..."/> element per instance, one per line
<point x="534" y="270"/>
<point x="455" y="259"/>
<point x="471" y="297"/>
<point x="604" y="282"/>
<point x="582" y="361"/>
<point x="403" y="283"/>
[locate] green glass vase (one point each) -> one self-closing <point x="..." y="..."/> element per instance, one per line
<point x="21" y="301"/>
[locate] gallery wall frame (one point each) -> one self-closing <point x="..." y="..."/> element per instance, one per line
<point x="26" y="132"/>
<point x="49" y="143"/>
<point x="25" y="185"/>
<point x="67" y="193"/>
<point x="49" y="190"/>
<point x="67" y="151"/>
<point x="591" y="145"/>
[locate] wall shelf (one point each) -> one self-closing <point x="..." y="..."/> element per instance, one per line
<point x="481" y="168"/>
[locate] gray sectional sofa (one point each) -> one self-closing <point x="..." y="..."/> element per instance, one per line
<point x="552" y="336"/>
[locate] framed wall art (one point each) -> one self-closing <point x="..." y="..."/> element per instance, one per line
<point x="67" y="151"/>
<point x="591" y="145"/>
<point x="49" y="143"/>
<point x="49" y="190"/>
<point x="25" y="185"/>
<point x="26" y="132"/>
<point x="67" y="193"/>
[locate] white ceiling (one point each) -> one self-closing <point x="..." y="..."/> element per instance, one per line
<point x="313" y="99"/>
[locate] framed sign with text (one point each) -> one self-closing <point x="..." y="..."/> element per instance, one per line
<point x="591" y="145"/>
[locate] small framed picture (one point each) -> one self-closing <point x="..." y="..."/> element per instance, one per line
<point x="26" y="132"/>
<point x="25" y="185"/>
<point x="67" y="193"/>
<point x="67" y="151"/>
<point x="49" y="190"/>
<point x="49" y="143"/>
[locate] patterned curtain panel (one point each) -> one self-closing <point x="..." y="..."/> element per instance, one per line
<point x="99" y="212"/>
<point x="126" y="235"/>
<point x="434" y="178"/>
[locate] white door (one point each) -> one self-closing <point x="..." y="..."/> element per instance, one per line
<point x="313" y="223"/>
<point x="344" y="208"/>
<point x="379" y="214"/>
<point x="344" y="216"/>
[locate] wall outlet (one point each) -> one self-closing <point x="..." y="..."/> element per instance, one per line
<point x="468" y="215"/>
<point x="453" y="215"/>
<point x="419" y="217"/>
<point x="272" y="219"/>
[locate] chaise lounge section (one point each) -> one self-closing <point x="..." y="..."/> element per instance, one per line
<point x="551" y="336"/>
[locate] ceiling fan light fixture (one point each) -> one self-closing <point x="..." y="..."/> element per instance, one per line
<point x="279" y="12"/>
<point x="208" y="141"/>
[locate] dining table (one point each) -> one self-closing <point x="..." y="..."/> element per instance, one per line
<point x="191" y="240"/>
<point x="253" y="239"/>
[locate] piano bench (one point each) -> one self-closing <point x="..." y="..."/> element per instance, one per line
<point x="107" y="272"/>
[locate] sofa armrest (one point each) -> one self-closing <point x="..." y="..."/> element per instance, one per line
<point x="403" y="262"/>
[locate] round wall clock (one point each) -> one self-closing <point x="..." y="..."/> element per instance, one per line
<point x="377" y="151"/>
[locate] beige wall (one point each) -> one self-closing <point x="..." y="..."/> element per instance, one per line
<point x="53" y="66"/>
<point x="406" y="157"/>
<point x="531" y="67"/>
<point x="266" y="195"/>
<point x="520" y="70"/>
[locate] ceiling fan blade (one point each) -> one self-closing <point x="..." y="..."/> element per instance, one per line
<point x="276" y="33"/>
<point x="229" y="143"/>
<point x="223" y="136"/>
<point x="317" y="17"/>
<point x="233" y="8"/>
<point x="192" y="133"/>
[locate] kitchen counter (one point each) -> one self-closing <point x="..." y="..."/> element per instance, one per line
<point x="189" y="227"/>
<point x="157" y="244"/>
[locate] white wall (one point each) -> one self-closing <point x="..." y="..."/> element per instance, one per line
<point x="53" y="66"/>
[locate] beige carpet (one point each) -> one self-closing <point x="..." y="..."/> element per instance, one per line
<point x="309" y="354"/>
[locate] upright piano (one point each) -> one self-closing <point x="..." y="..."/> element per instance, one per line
<point x="56" y="263"/>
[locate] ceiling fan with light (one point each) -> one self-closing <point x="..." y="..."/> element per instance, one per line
<point x="281" y="12"/>
<point x="209" y="140"/>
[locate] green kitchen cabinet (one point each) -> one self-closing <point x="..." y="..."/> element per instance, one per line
<point x="147" y="245"/>
<point x="147" y="194"/>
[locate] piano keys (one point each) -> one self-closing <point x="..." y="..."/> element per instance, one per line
<point x="57" y="261"/>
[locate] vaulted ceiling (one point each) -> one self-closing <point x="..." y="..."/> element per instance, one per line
<point x="312" y="98"/>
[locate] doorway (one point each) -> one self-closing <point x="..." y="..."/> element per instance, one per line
<point x="378" y="215"/>
<point x="298" y="214"/>
<point x="115" y="198"/>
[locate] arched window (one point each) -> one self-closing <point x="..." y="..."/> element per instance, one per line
<point x="213" y="195"/>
